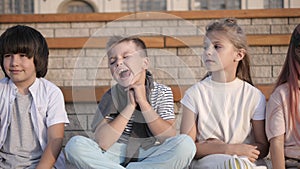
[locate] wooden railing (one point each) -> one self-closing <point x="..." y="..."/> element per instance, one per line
<point x="94" y="94"/>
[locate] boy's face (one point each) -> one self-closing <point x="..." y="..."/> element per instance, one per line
<point x="20" y="69"/>
<point x="127" y="63"/>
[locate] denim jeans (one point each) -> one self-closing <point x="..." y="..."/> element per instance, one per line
<point x="174" y="153"/>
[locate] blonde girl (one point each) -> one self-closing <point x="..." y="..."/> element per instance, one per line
<point x="224" y="113"/>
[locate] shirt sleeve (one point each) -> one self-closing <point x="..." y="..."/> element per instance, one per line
<point x="188" y="101"/>
<point x="260" y="110"/>
<point x="56" y="112"/>
<point x="164" y="103"/>
<point x="275" y="123"/>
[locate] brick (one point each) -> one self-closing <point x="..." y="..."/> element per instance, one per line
<point x="279" y="49"/>
<point x="165" y="73"/>
<point x="161" y="52"/>
<point x="244" y="21"/>
<point x="107" y="31"/>
<point x="201" y="23"/>
<point x="124" y="24"/>
<point x="172" y="31"/>
<point x="270" y="21"/>
<point x="254" y="29"/>
<point x="66" y="74"/>
<point x="52" y="25"/>
<point x="276" y="71"/>
<point x="82" y="62"/>
<point x="98" y="74"/>
<point x="72" y="32"/>
<point x="263" y="80"/>
<point x="159" y="23"/>
<point x="168" y="61"/>
<point x="96" y="52"/>
<point x="294" y="21"/>
<point x="47" y="33"/>
<point x="55" y="63"/>
<point x="259" y="50"/>
<point x="87" y="24"/>
<point x="84" y="82"/>
<point x="8" y="25"/>
<point x="265" y="60"/>
<point x="190" y="51"/>
<point x="282" y="29"/>
<point x="178" y="81"/>
<point x="65" y="52"/>
<point x="261" y="71"/>
<point x="192" y="61"/>
<point x="192" y="73"/>
<point x="142" y="31"/>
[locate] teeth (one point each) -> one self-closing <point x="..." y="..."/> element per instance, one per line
<point x="122" y="70"/>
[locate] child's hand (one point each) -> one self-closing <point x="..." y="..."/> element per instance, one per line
<point x="245" y="150"/>
<point x="138" y="86"/>
<point x="131" y="99"/>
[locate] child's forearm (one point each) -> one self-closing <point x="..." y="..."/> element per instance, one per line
<point x="50" y="154"/>
<point x="107" y="133"/>
<point x="277" y="152"/>
<point x="160" y="128"/>
<point x="207" y="148"/>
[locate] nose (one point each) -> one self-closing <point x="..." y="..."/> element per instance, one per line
<point x="119" y="62"/>
<point x="208" y="52"/>
<point x="14" y="61"/>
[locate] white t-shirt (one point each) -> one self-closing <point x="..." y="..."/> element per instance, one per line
<point x="224" y="110"/>
<point x="47" y="108"/>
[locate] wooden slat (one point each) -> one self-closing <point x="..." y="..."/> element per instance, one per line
<point x="106" y="17"/>
<point x="161" y="42"/>
<point x="75" y="43"/>
<point x="258" y="40"/>
<point x="94" y="94"/>
<point x="253" y="40"/>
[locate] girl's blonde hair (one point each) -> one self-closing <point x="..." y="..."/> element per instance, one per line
<point x="237" y="37"/>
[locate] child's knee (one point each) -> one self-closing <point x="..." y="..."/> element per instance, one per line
<point x="186" y="145"/>
<point x="74" y="145"/>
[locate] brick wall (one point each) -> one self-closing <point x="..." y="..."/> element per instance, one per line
<point x="77" y="55"/>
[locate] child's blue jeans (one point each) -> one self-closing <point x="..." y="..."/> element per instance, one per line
<point x="175" y="153"/>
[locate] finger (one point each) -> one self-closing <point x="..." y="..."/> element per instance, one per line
<point x="257" y="152"/>
<point x="252" y="159"/>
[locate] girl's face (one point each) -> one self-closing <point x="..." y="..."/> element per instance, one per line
<point x="127" y="63"/>
<point x="20" y="69"/>
<point x="219" y="53"/>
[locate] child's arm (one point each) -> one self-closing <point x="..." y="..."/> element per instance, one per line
<point x="160" y="128"/>
<point x="53" y="148"/>
<point x="108" y="132"/>
<point x="261" y="140"/>
<point x="277" y="152"/>
<point x="213" y="146"/>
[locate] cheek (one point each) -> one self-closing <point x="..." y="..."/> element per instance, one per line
<point x="135" y="65"/>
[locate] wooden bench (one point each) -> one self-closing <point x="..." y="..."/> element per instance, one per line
<point x="94" y="94"/>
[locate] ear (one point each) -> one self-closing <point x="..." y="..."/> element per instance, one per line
<point x="240" y="55"/>
<point x="146" y="63"/>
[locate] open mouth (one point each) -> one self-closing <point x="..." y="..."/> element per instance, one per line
<point x="124" y="74"/>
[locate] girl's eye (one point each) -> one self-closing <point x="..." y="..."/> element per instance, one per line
<point x="217" y="46"/>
